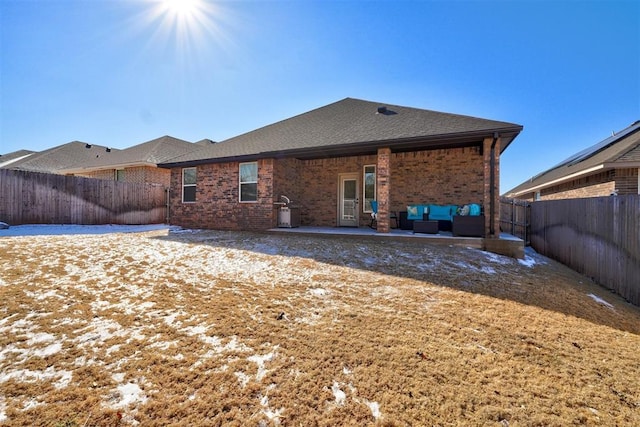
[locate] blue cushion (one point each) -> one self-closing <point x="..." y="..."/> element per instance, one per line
<point x="414" y="212"/>
<point x="437" y="212"/>
<point x="474" y="209"/>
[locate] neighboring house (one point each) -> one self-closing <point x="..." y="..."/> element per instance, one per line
<point x="136" y="164"/>
<point x="9" y="158"/>
<point x="333" y="161"/>
<point x="608" y="167"/>
<point x="55" y="160"/>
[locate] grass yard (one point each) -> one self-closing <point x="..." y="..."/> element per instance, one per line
<point x="206" y="328"/>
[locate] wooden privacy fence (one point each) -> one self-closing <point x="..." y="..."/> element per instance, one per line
<point x="515" y="218"/>
<point x="39" y="198"/>
<point x="598" y="237"/>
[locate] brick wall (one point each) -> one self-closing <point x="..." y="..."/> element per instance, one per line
<point x="454" y="176"/>
<point x="147" y="175"/>
<point x="597" y="185"/>
<point x="318" y="188"/>
<point x="627" y="181"/>
<point x="217" y="195"/>
<point x="286" y="177"/>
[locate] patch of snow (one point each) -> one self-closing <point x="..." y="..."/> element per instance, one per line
<point x="195" y="330"/>
<point x="347" y="371"/>
<point x="319" y="292"/>
<point x="44" y="295"/>
<point x="600" y="300"/>
<point x="260" y="360"/>
<point x="65" y="379"/>
<point x="32" y="403"/>
<point x="113" y="348"/>
<point x="40" y="338"/>
<point x="27" y="375"/>
<point x="375" y="409"/>
<point x="338" y="394"/>
<point x="130" y="393"/>
<point x="69" y="229"/>
<point x="49" y="350"/>
<point x="498" y="259"/>
<point x="527" y="261"/>
<point x="272" y="415"/>
<point x="488" y="270"/>
<point x="243" y="378"/>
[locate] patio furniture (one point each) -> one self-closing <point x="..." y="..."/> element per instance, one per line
<point x="468" y="225"/>
<point x="405" y="223"/>
<point x="429" y="227"/>
<point x="374" y="216"/>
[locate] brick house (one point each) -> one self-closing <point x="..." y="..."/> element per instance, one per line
<point x="609" y="167"/>
<point x="334" y="160"/>
<point x="136" y="164"/>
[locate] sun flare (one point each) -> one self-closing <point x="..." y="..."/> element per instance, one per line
<point x="182" y="8"/>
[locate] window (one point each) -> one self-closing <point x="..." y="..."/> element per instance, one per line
<point x="249" y="182"/>
<point x="119" y="176"/>
<point x="369" y="188"/>
<point x="189" y="184"/>
<point x="536" y="196"/>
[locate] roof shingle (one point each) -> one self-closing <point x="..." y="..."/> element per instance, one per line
<point x="347" y="123"/>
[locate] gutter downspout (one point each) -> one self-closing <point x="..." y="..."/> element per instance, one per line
<point x="168" y="205"/>
<point x="492" y="183"/>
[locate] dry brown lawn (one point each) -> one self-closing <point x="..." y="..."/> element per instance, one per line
<point x="205" y="328"/>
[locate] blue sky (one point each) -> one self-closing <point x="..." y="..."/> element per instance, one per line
<point x="122" y="72"/>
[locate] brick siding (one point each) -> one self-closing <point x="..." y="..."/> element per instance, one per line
<point x="452" y="176"/>
<point x="596" y="185"/>
<point x="444" y="176"/>
<point x="217" y="203"/>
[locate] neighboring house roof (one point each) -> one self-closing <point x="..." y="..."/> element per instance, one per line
<point x="620" y="150"/>
<point x="148" y="153"/>
<point x="7" y="159"/>
<point x="59" y="158"/>
<point x="205" y="142"/>
<point x="353" y="126"/>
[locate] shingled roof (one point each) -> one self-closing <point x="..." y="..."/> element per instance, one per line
<point x="148" y="153"/>
<point x="7" y="159"/>
<point x="620" y="150"/>
<point x="59" y="158"/>
<point x="349" y="127"/>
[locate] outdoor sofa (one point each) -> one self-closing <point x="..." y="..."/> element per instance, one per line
<point x="466" y="220"/>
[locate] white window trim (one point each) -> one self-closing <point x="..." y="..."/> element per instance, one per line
<point x="188" y="185"/>
<point x="364" y="187"/>
<point x="247" y="182"/>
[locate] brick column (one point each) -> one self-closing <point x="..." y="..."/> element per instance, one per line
<point x="488" y="201"/>
<point x="383" y="172"/>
